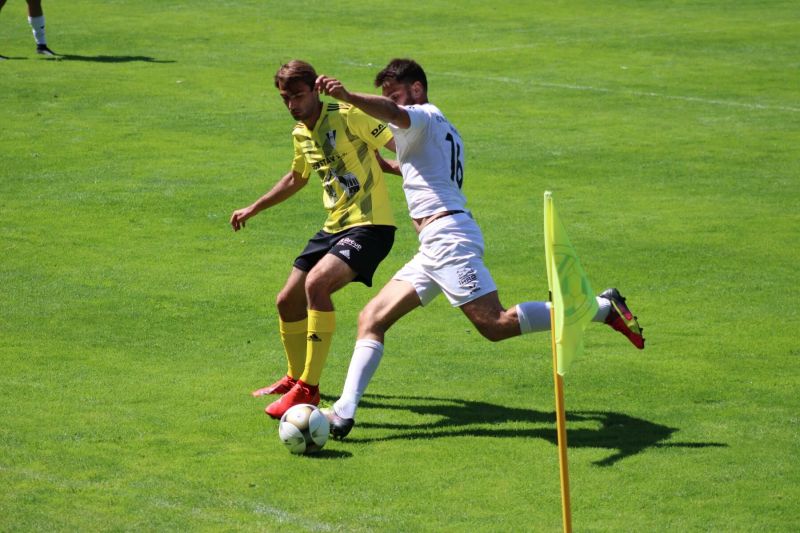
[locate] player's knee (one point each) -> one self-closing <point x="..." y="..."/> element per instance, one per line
<point x="284" y="303"/>
<point x="369" y="321"/>
<point x="317" y="285"/>
<point x="366" y="318"/>
<point x="291" y="304"/>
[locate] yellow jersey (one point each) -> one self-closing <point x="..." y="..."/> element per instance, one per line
<point x="341" y="150"/>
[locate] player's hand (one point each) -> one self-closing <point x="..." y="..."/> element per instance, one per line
<point x="331" y="87"/>
<point x="390" y="166"/>
<point x="239" y="217"/>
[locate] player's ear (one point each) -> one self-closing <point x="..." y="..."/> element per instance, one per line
<point x="417" y="90"/>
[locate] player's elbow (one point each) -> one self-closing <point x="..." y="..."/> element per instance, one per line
<point x="400" y="118"/>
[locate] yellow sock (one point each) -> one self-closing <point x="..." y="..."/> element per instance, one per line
<point x="321" y="325"/>
<point x="293" y="337"/>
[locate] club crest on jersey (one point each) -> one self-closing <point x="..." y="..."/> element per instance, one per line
<point x="331" y="136"/>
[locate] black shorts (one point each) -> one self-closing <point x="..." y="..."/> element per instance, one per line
<point x="361" y="247"/>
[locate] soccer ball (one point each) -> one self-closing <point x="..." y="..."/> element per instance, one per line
<point x="303" y="429"/>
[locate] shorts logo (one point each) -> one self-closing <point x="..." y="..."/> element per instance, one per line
<point x="468" y="279"/>
<point x="347" y="241"/>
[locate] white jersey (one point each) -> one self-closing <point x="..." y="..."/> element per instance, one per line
<point x="431" y="157"/>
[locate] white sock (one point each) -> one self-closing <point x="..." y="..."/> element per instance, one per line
<point x="603" y="308"/>
<point x="37" y="25"/>
<point x="366" y="358"/>
<point x="535" y="316"/>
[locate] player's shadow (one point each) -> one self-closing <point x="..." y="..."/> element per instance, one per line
<point x="327" y="454"/>
<point x="112" y="59"/>
<point x="623" y="435"/>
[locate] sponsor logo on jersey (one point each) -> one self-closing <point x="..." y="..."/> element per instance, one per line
<point x="377" y="131"/>
<point x="349" y="183"/>
<point x="325" y="161"/>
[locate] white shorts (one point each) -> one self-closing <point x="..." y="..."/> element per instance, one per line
<point x="449" y="260"/>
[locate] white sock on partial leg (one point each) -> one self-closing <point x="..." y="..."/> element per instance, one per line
<point x="37" y="25"/>
<point x="533" y="316"/>
<point x="366" y="358"/>
<point x="603" y="308"/>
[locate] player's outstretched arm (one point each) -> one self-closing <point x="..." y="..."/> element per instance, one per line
<point x="286" y="187"/>
<point x="376" y="106"/>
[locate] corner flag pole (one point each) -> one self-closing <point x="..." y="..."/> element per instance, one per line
<point x="573" y="303"/>
<point x="561" y="429"/>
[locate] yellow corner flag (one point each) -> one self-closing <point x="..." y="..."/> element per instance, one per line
<point x="571" y="294"/>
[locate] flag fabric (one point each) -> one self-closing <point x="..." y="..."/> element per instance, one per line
<point x="571" y="295"/>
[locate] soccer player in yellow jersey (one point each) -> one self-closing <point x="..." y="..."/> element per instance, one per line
<point x="338" y="143"/>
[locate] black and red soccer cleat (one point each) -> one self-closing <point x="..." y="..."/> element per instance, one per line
<point x="282" y="386"/>
<point x="621" y="319"/>
<point x="300" y="393"/>
<point x="340" y="427"/>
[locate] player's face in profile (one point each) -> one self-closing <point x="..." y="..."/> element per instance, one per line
<point x="399" y="93"/>
<point x="300" y="99"/>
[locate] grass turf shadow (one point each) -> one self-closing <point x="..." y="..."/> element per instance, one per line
<point x="622" y="434"/>
<point x="327" y="454"/>
<point x="111" y="59"/>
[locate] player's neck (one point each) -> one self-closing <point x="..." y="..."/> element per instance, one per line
<point x="311" y="121"/>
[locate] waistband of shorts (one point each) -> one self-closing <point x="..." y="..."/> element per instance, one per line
<point x="456" y="215"/>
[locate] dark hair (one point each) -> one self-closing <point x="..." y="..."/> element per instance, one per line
<point x="296" y="70"/>
<point x="402" y="71"/>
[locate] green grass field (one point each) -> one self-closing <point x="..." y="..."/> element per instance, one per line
<point x="134" y="321"/>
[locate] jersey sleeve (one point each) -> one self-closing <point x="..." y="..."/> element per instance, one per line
<point x="299" y="163"/>
<point x="369" y="129"/>
<point x="419" y="118"/>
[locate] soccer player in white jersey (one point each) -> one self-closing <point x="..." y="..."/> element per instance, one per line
<point x="430" y="154"/>
<point x="36" y="20"/>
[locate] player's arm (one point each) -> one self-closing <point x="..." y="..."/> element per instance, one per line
<point x="285" y="187"/>
<point x="376" y="106"/>
<point x="391" y="166"/>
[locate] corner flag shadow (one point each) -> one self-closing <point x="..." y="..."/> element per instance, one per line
<point x="111" y="59"/>
<point x="623" y="435"/>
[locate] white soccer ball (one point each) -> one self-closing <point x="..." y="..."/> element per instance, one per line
<point x="303" y="429"/>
